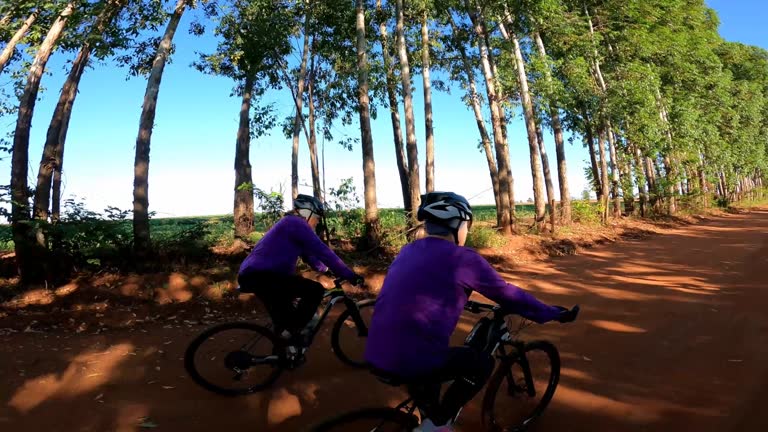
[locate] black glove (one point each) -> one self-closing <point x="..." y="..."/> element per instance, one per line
<point x="567" y="315"/>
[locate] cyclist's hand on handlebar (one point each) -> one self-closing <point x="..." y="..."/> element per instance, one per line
<point x="567" y="315"/>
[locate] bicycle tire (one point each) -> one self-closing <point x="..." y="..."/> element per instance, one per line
<point x="501" y="374"/>
<point x="192" y="370"/>
<point x="335" y="335"/>
<point x="397" y="421"/>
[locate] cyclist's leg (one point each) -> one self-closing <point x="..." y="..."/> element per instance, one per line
<point x="274" y="292"/>
<point x="469" y="369"/>
<point x="310" y="294"/>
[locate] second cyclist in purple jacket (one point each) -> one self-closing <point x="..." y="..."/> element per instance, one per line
<point x="269" y="271"/>
<point x="422" y="298"/>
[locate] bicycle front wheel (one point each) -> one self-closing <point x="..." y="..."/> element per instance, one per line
<point x="235" y="358"/>
<point x="521" y="388"/>
<point x="348" y="338"/>
<point x="370" y="420"/>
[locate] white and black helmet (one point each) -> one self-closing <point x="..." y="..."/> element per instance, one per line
<point x="308" y="205"/>
<point x="445" y="208"/>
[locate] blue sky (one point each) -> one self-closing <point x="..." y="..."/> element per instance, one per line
<point x="191" y="169"/>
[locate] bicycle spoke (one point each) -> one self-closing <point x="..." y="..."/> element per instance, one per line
<point x="252" y="343"/>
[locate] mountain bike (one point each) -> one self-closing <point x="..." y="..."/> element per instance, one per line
<point x="249" y="357"/>
<point x="517" y="392"/>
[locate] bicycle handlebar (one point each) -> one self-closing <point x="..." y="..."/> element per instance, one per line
<point x="477" y="307"/>
<point x="566" y="315"/>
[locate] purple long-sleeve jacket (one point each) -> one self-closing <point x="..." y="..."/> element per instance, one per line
<point x="422" y="298"/>
<point x="291" y="238"/>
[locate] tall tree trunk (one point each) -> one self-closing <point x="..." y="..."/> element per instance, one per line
<point x="141" y="239"/>
<point x="703" y="183"/>
<point x="603" y="175"/>
<point x="56" y="190"/>
<point x="369" y="166"/>
<point x="430" y="163"/>
<point x="410" y="123"/>
<point x="530" y="126"/>
<point x="544" y="162"/>
<point x="590" y="138"/>
<point x="503" y="215"/>
<point x="500" y="96"/>
<point x="7" y="53"/>
<point x="650" y="178"/>
<point x="557" y="129"/>
<point x="503" y="119"/>
<point x="53" y="149"/>
<point x="298" y="120"/>
<point x="671" y="175"/>
<point x="312" y="142"/>
<point x="626" y="186"/>
<point x="30" y="250"/>
<point x="614" y="172"/>
<point x="640" y="176"/>
<point x="474" y="97"/>
<point x="243" y="208"/>
<point x="394" y="111"/>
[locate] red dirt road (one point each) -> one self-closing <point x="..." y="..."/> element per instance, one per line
<point x="673" y="336"/>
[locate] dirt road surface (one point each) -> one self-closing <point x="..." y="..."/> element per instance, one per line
<point x="673" y="336"/>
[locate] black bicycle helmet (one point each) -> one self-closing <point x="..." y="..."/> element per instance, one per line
<point x="446" y="209"/>
<point x="310" y="203"/>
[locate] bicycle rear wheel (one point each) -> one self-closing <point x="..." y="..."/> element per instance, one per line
<point x="521" y="388"/>
<point x="370" y="420"/>
<point x="348" y="339"/>
<point x="235" y="358"/>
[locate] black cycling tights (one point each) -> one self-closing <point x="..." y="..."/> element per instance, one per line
<point x="291" y="300"/>
<point x="469" y="370"/>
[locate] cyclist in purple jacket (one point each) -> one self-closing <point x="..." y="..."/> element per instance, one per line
<point x="420" y="303"/>
<point x="269" y="270"/>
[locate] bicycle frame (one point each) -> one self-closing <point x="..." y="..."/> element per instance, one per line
<point x="337" y="295"/>
<point x="497" y="338"/>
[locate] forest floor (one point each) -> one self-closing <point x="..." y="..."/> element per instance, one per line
<point x="673" y="336"/>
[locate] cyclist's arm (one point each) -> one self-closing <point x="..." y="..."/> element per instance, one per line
<point x="315" y="263"/>
<point x="477" y="274"/>
<point x="312" y="246"/>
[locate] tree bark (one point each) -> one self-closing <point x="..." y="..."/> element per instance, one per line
<point x="474" y="97"/>
<point x="299" y="100"/>
<point x="614" y="172"/>
<point x="590" y="138"/>
<point x="410" y="124"/>
<point x="7" y="53"/>
<point x="640" y="176"/>
<point x="671" y="175"/>
<point x="141" y="235"/>
<point x="369" y="165"/>
<point x="557" y="129"/>
<point x="31" y="251"/>
<point x="53" y="149"/>
<point x="317" y="191"/>
<point x="604" y="194"/>
<point x="500" y="96"/>
<point x="430" y="138"/>
<point x="545" y="162"/>
<point x="530" y="126"/>
<point x="394" y="112"/>
<point x="503" y="216"/>
<point x="243" y="206"/>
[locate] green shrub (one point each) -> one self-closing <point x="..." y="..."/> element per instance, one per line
<point x="585" y="212"/>
<point x="485" y="237"/>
